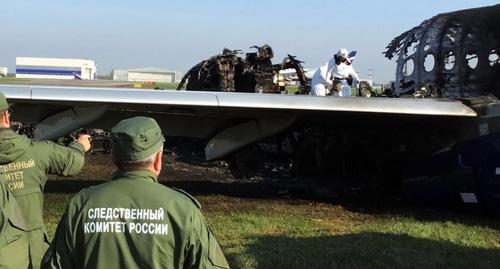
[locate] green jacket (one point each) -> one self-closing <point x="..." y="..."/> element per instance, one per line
<point x="24" y="165"/>
<point x="14" y="250"/>
<point x="133" y="222"/>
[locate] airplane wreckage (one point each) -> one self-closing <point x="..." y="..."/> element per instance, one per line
<point x="227" y="72"/>
<point x="441" y="122"/>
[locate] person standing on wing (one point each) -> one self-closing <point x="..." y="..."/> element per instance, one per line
<point x="334" y="75"/>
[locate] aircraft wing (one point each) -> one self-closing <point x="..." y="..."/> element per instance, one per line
<point x="235" y="118"/>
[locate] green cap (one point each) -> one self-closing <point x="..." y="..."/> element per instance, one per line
<point x="3" y="102"/>
<point x="136" y="139"/>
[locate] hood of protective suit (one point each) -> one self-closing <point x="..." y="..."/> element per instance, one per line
<point x="12" y="146"/>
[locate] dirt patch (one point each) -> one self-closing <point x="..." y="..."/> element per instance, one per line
<point x="99" y="167"/>
<point x="186" y="168"/>
<point x="194" y="169"/>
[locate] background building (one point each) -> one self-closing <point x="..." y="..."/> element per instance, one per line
<point x="119" y="75"/>
<point x="3" y="71"/>
<point x="55" y="68"/>
<point x="147" y="74"/>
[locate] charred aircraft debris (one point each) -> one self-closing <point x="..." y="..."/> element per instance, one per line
<point x="453" y="55"/>
<point x="456" y="55"/>
<point x="228" y="72"/>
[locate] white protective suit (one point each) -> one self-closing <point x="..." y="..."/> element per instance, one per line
<point x="323" y="78"/>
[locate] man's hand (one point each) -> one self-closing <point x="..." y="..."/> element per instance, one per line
<point x="84" y="139"/>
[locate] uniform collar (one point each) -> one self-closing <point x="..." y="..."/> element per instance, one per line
<point x="135" y="174"/>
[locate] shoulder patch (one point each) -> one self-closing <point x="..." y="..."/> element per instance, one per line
<point x="195" y="202"/>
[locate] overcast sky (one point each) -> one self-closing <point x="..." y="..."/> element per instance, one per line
<point x="178" y="34"/>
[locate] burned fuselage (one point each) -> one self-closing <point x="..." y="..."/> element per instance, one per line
<point x="453" y="55"/>
<point x="228" y="72"/>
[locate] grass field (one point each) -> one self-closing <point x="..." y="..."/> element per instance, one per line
<point x="275" y="233"/>
<point x="12" y="80"/>
<point x="165" y="86"/>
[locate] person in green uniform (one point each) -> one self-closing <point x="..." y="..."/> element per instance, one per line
<point x="14" y="249"/>
<point x="24" y="164"/>
<point x="133" y="221"/>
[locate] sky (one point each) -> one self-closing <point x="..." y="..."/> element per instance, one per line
<point x="123" y="34"/>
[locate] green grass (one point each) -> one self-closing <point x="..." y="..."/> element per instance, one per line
<point x="12" y="80"/>
<point x="166" y="86"/>
<point x="292" y="89"/>
<point x="264" y="233"/>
